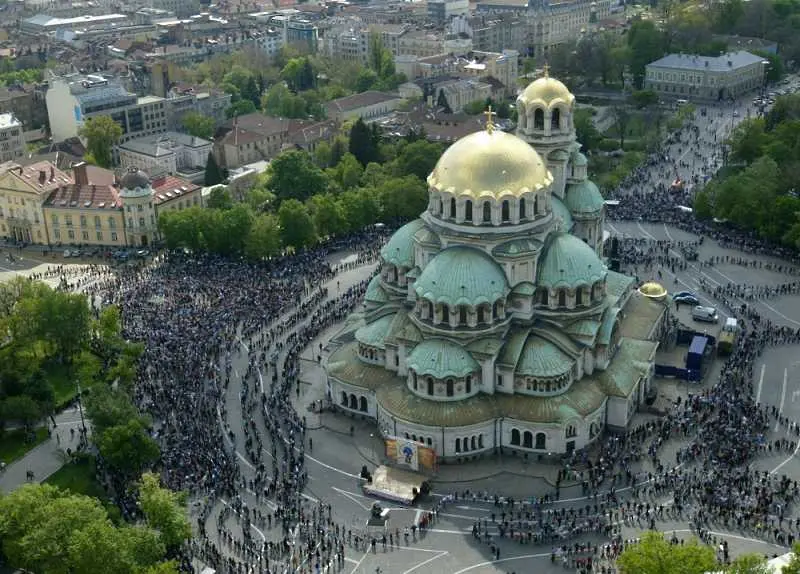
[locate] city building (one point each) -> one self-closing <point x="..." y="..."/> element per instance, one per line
<point x="367" y="105"/>
<point x="169" y="153"/>
<point x="175" y="193"/>
<point x="440" y="11"/>
<point x="706" y="77"/>
<point x="455" y="92"/>
<point x="181" y="8"/>
<point x="46" y="24"/>
<point x="209" y="102"/>
<point x="81" y="213"/>
<point x="23" y="190"/>
<point x="12" y="138"/>
<point x="71" y="100"/>
<point x="494" y="324"/>
<point x="136" y="193"/>
<point x="250" y="138"/>
<point x="26" y="103"/>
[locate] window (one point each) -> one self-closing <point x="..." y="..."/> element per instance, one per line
<point x="100" y="236"/>
<point x="473" y="443"/>
<point x="445" y="314"/>
<point x="429" y="380"/>
<point x="481" y="314"/>
<point x="535" y="204"/>
<point x="57" y="234"/>
<point x="555" y="119"/>
<point x="112" y="223"/>
<point x="85" y="235"/>
<point x="130" y="222"/>
<point x="579" y="296"/>
<point x="453" y="208"/>
<point x="414" y="380"/>
<point x="480" y="441"/>
<point x="114" y="236"/>
<point x="141" y="222"/>
<point x="97" y="221"/>
<point x="83" y="221"/>
<point x="541" y="441"/>
<point x="362" y="404"/>
<point x="469" y="384"/>
<point x="506" y="216"/>
<point x="68" y="220"/>
<point x="468" y="211"/>
<point x="487" y="212"/>
<point x="462" y="315"/>
<point x="527" y="439"/>
<point x="499" y="380"/>
<point x="140" y="208"/>
<point x="538" y="119"/>
<point x="544" y="296"/>
<point x="571" y="431"/>
<point x="458" y="445"/>
<point x="71" y="234"/>
<point x="562" y="298"/>
<point x="515" y="437"/>
<point x="521" y="208"/>
<point x="449" y="387"/>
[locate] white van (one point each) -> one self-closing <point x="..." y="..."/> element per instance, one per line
<point x="707" y="314"/>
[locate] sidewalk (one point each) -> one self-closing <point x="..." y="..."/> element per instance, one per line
<point x="46" y="458"/>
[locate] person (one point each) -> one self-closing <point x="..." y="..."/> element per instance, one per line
<point x="310" y="444"/>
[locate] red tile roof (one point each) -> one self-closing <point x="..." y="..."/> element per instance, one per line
<point x="169" y="187"/>
<point x="43" y="176"/>
<point x="76" y="196"/>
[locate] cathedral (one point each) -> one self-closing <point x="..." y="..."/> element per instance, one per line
<point x="494" y="322"/>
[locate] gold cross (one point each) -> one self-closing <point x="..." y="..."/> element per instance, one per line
<point x="546" y="70"/>
<point x="489" y="122"/>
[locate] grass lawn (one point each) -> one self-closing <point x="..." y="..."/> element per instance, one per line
<point x="78" y="477"/>
<point x="13" y="444"/>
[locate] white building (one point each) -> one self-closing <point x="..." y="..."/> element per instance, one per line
<point x="44" y="23"/>
<point x="71" y="100"/>
<point x="169" y="153"/>
<point x="443" y="10"/>
<point x="12" y="142"/>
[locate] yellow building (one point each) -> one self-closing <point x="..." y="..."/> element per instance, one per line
<point x="23" y="190"/>
<point x="85" y="214"/>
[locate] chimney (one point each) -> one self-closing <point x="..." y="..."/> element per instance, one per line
<point x="79" y="173"/>
<point x="42" y="176"/>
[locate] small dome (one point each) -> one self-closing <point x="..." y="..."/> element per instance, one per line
<point x="584" y="198"/>
<point x="579" y="160"/>
<point x="375" y="291"/>
<point x="653" y="290"/>
<point x="440" y="359"/>
<point x="560" y="210"/>
<point x="399" y="250"/>
<point x="547" y="91"/>
<point x="490" y="164"/>
<point x="569" y="262"/>
<point x="374" y="334"/>
<point x="134" y="178"/>
<point x="462" y="276"/>
<point x="541" y="358"/>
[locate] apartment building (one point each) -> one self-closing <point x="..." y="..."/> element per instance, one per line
<point x="706" y="77"/>
<point x="250" y="138"/>
<point x="441" y="11"/>
<point x="12" y="140"/>
<point x="169" y="153"/>
<point x="85" y="214"/>
<point x="71" y="100"/>
<point x="26" y="103"/>
<point x="208" y="102"/>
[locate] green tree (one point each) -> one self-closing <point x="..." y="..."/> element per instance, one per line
<point x="240" y="108"/>
<point x="361" y="207"/>
<point x="219" y="198"/>
<point x="327" y="215"/>
<point x="101" y="134"/>
<point x="128" y="448"/>
<point x="417" y="158"/>
<point x="296" y="226"/>
<point x="263" y="240"/>
<point x="293" y="175"/>
<point x="279" y="101"/>
<point x="21" y="409"/>
<point x="298" y="74"/>
<point x="347" y="172"/>
<point x="107" y="407"/>
<point x="644" y="98"/>
<point x="213" y="175"/>
<point x="749" y="564"/>
<point x="585" y="131"/>
<point x="323" y="155"/>
<point x="198" y="125"/>
<point x="748" y="141"/>
<point x="164" y="511"/>
<point x="403" y="197"/>
<point x="646" y="44"/>
<point x="363" y="144"/>
<point x="655" y="555"/>
<point x="702" y="206"/>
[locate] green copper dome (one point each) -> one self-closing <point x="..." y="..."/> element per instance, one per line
<point x="569" y="262"/>
<point x="560" y="210"/>
<point x="541" y="358"/>
<point x="584" y="198"/>
<point x="440" y="359"/>
<point x="375" y="291"/>
<point x="579" y="159"/>
<point x="462" y="276"/>
<point x="399" y="250"/>
<point x="374" y="334"/>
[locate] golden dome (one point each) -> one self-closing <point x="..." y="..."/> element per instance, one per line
<point x="653" y="290"/>
<point x="489" y="163"/>
<point x="547" y="91"/>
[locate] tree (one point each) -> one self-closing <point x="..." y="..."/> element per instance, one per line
<point x="363" y="144"/>
<point x="101" y="133"/>
<point x="748" y="141"/>
<point x="164" y="511"/>
<point x="293" y="175"/>
<point x="347" y="172"/>
<point x="655" y="555"/>
<point x="296" y="226"/>
<point x="263" y="241"/>
<point x="646" y="45"/>
<point x="327" y="215"/>
<point x="240" y="108"/>
<point x="107" y="407"/>
<point x="585" y="131"/>
<point x="298" y="74"/>
<point x="213" y="175"/>
<point x="279" y="101"/>
<point x="622" y="118"/>
<point x="21" y="409"/>
<point x="417" y="158"/>
<point x="198" y="125"/>
<point x="644" y="98"/>
<point x="403" y="197"/>
<point x="749" y="564"/>
<point x="323" y="155"/>
<point x="128" y="448"/>
<point x="219" y="198"/>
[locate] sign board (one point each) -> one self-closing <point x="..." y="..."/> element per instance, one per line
<point x="406" y="453"/>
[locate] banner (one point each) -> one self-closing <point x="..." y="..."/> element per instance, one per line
<point x="406" y="453"/>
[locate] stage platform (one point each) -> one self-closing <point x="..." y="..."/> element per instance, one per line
<point x="394" y="484"/>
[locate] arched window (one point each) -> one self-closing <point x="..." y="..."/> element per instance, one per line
<point x="453" y="208"/>
<point x="468" y="210"/>
<point x="527" y="439"/>
<point x="445" y="314"/>
<point x="541" y="441"/>
<point x="555" y="119"/>
<point x="473" y="443"/>
<point x="562" y="298"/>
<point x="469" y="384"/>
<point x="481" y="314"/>
<point x="353" y="402"/>
<point x="480" y="441"/>
<point x="362" y="404"/>
<point x="522" y="208"/>
<point x="505" y="211"/>
<point x="544" y="296"/>
<point x="430" y="311"/>
<point x="414" y="379"/>
<point x="536" y="205"/>
<point x="592" y="430"/>
<point x="571" y="431"/>
<point x="441" y="207"/>
<point x="462" y="314"/>
<point x="414" y="437"/>
<point x="458" y="445"/>
<point x="496" y="310"/>
<point x="430" y="386"/>
<point x="515" y="437"/>
<point x="538" y="119"/>
<point x="430" y="442"/>
<point x="487" y="212"/>
<point x="449" y="385"/>
<point x="579" y="296"/>
<point x="344" y="399"/>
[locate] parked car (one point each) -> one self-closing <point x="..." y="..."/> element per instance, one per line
<point x="143" y="253"/>
<point x="686" y="297"/>
<point x="707" y="314"/>
<point x="67" y="253"/>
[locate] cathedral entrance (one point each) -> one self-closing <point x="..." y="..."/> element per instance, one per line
<point x="570" y="446"/>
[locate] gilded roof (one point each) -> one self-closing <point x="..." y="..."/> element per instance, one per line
<point x="542" y="358"/>
<point x="569" y="262"/>
<point x="560" y="211"/>
<point x="490" y="164"/>
<point x="374" y="334"/>
<point x="462" y="275"/>
<point x="375" y="291"/>
<point x="653" y="290"/>
<point x="441" y="358"/>
<point x="547" y="91"/>
<point x="399" y="250"/>
<point x="584" y="198"/>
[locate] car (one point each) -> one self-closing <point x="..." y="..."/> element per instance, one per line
<point x="67" y="253"/>
<point x="686" y="297"/>
<point x="143" y="253"/>
<point x="707" y="314"/>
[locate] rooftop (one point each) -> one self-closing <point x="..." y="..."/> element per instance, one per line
<point x="159" y="145"/>
<point x="47" y="21"/>
<point x="74" y="196"/>
<point x="43" y="176"/>
<point x="356" y="101"/>
<point x="730" y="61"/>
<point x="9" y="121"/>
<point x="169" y="187"/>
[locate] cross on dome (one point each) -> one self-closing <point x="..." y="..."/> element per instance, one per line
<point x="489" y="121"/>
<point x="546" y="70"/>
